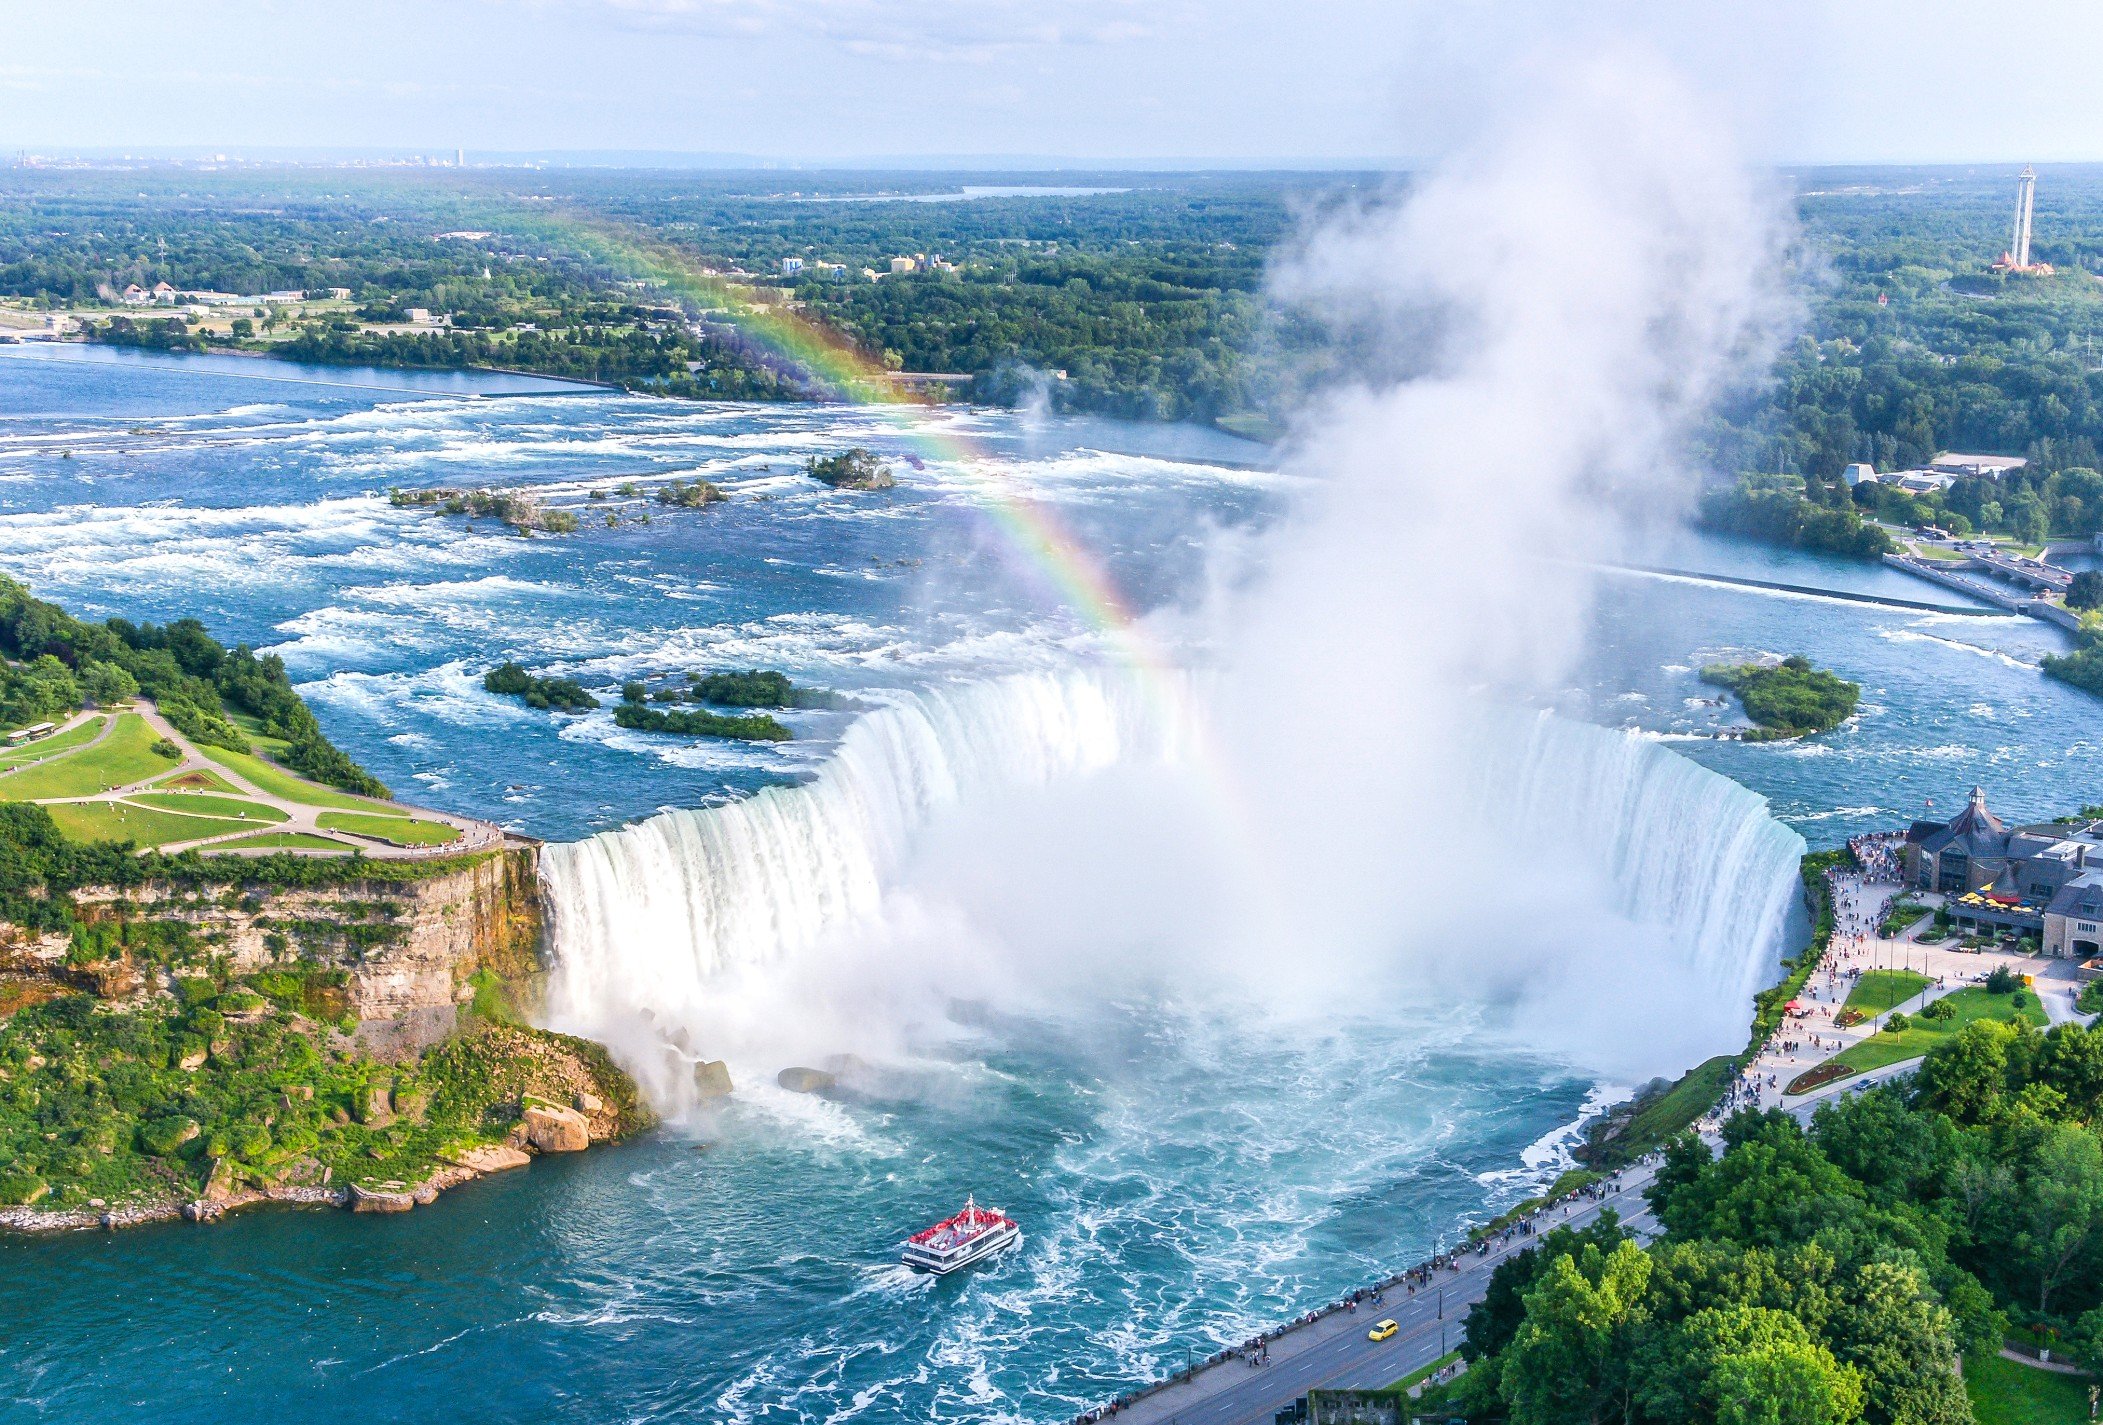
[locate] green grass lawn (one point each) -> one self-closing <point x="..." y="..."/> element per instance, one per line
<point x="1423" y="1372"/>
<point x="269" y="777"/>
<point x="401" y="830"/>
<point x="1904" y="916"/>
<point x="2005" y="1392"/>
<point x="281" y="841"/>
<point x="126" y="756"/>
<point x="1879" y="990"/>
<point x="109" y="821"/>
<point x="1920" y="1035"/>
<point x="205" y="804"/>
<point x="57" y="742"/>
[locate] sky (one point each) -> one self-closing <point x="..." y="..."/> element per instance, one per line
<point x="1101" y="82"/>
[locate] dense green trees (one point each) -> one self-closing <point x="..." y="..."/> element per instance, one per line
<point x="37" y="691"/>
<point x="188" y="674"/>
<point x="1789" y="699"/>
<point x="1774" y="508"/>
<point x="1830" y="1274"/>
<point x="1146" y="302"/>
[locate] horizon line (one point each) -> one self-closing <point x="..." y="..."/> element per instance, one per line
<point x="21" y="157"/>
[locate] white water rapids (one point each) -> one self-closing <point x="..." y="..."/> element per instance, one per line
<point x="1596" y="877"/>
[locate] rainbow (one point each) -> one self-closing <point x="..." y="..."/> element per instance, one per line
<point x="827" y="361"/>
<point x="1033" y="533"/>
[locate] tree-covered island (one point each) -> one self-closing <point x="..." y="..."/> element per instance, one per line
<point x="755" y="688"/>
<point x="511" y="680"/>
<point x="1786" y="699"/>
<point x="855" y="469"/>
<point x="647" y="709"/>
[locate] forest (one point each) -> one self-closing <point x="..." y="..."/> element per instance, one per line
<point x="1143" y="299"/>
<point x="1822" y="1275"/>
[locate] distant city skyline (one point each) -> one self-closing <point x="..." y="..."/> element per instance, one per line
<point x="1042" y="83"/>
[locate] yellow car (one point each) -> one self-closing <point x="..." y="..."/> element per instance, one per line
<point x="1382" y="1330"/>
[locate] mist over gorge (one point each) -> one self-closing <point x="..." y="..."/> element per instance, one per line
<point x="1324" y="800"/>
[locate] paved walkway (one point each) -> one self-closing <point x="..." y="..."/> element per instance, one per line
<point x="474" y="834"/>
<point x="61" y="730"/>
<point x="1858" y="945"/>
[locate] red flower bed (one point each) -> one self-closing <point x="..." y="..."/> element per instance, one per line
<point x="1819" y="1077"/>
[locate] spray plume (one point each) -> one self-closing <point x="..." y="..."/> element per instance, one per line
<point x="1532" y="327"/>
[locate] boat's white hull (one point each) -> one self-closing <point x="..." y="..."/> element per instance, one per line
<point x="989" y="1245"/>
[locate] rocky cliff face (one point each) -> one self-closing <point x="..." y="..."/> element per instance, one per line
<point x="400" y="954"/>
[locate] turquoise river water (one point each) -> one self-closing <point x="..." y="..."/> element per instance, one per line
<point x="1186" y="1172"/>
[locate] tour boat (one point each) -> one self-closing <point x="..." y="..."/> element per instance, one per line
<point x="971" y="1236"/>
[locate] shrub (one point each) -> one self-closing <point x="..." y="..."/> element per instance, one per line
<point x="1897" y="1023"/>
<point x="2090" y="1000"/>
<point x="20" y="1189"/>
<point x="1938" y="1009"/>
<point x="161" y="1137"/>
<point x="2002" y="981"/>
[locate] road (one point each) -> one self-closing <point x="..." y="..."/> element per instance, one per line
<point x="1334" y="1353"/>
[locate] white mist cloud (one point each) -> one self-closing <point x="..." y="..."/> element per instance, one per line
<point x="1571" y="292"/>
<point x="1534" y="327"/>
<point x="1369" y="818"/>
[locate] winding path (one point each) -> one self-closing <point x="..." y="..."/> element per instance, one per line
<point x="298" y="817"/>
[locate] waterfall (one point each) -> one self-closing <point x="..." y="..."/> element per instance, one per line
<point x="1689" y="849"/>
<point x="657" y="926"/>
<point x="648" y="920"/>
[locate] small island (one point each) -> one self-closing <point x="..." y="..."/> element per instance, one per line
<point x="561" y="694"/>
<point x="753" y="689"/>
<point x="523" y="513"/>
<point x="1786" y="699"/>
<point x="635" y="710"/>
<point x="855" y="469"/>
<point x="690" y="494"/>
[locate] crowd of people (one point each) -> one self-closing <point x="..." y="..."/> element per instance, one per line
<point x="1859" y="912"/>
<point x="1876" y="853"/>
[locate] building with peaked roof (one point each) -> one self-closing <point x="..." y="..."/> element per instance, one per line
<point x="1966" y="853"/>
<point x="2044" y="880"/>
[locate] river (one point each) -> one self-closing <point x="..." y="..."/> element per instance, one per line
<point x="1186" y="1170"/>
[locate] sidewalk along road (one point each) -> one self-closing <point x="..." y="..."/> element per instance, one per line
<point x="1334" y="1352"/>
